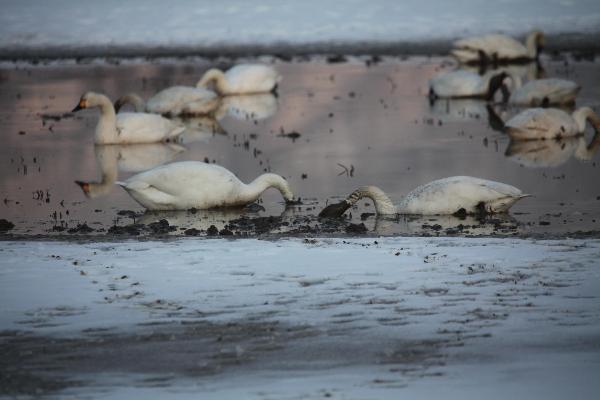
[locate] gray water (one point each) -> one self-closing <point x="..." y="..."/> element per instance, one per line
<point x="358" y="123"/>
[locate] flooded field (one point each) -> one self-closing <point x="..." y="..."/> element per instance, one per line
<point x="336" y="124"/>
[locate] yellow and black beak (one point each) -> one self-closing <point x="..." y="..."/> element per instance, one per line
<point x="80" y="106"/>
<point x="83" y="185"/>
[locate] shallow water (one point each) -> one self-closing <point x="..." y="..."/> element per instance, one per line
<point x="357" y="123"/>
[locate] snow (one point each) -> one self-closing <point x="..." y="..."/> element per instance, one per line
<point x="525" y="311"/>
<point x="28" y="24"/>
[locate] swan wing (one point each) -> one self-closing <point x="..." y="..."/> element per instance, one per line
<point x="173" y="99"/>
<point x="449" y="195"/>
<point x="252" y="78"/>
<point x="552" y="91"/>
<point x="457" y="84"/>
<point x="145" y="128"/>
<point x="541" y="123"/>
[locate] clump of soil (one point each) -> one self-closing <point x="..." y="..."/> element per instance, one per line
<point x="6" y="225"/>
<point x="81" y="228"/>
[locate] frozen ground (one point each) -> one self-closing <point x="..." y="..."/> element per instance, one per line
<point x="68" y="27"/>
<point x="301" y="319"/>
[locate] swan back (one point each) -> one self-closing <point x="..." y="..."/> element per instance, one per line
<point x="173" y="100"/>
<point x="545" y="92"/>
<point x="145" y="128"/>
<point x="541" y="123"/>
<point x="450" y="195"/>
<point x="467" y="84"/>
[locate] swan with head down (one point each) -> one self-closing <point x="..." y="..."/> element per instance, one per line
<point x="194" y="184"/>
<point x="241" y="79"/>
<point x="127" y="128"/>
<point x="550" y="123"/>
<point x="497" y="48"/>
<point x="456" y="194"/>
<point x="544" y="92"/>
<point x="466" y="84"/>
<point x="176" y="100"/>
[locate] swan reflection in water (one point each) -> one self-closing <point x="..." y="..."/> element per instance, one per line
<point x="220" y="218"/>
<point x="126" y="158"/>
<point x="443" y="224"/>
<point x="249" y="107"/>
<point x="459" y="110"/>
<point x="552" y="152"/>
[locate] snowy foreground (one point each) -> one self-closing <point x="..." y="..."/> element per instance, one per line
<point x="302" y="319"/>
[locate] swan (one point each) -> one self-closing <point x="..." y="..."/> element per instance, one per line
<point x="112" y="158"/>
<point x="195" y="184"/>
<point x="126" y="128"/>
<point x="495" y="48"/>
<point x="550" y="123"/>
<point x="456" y="194"/>
<point x="173" y="101"/>
<point x="545" y="92"/>
<point x="462" y="84"/>
<point x="242" y="79"/>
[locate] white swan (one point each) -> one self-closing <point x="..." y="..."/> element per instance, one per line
<point x="194" y="184"/>
<point x="112" y="158"/>
<point x="462" y="84"/>
<point x="242" y="79"/>
<point x="127" y="128"/>
<point x="456" y="194"/>
<point x="495" y="48"/>
<point x="550" y="123"/>
<point x="545" y="92"/>
<point x="173" y="101"/>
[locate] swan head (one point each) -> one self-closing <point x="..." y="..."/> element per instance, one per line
<point x="383" y="204"/>
<point x="85" y="187"/>
<point x="89" y="100"/>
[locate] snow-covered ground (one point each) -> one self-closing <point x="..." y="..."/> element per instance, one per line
<point x="27" y="25"/>
<point x="346" y="319"/>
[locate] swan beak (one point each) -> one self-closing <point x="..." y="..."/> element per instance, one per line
<point x="84" y="186"/>
<point x="80" y="106"/>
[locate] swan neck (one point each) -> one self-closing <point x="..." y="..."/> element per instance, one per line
<point x="106" y="130"/>
<point x="383" y="204"/>
<point x="254" y="189"/>
<point x="532" y="44"/>
<point x="215" y="76"/>
<point x="138" y="104"/>
<point x="582" y="115"/>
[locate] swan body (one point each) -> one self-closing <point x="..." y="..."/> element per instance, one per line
<point x="194" y="184"/>
<point x="456" y="194"/>
<point x="545" y="92"/>
<point x="462" y="84"/>
<point x="550" y="123"/>
<point x="127" y="128"/>
<point x="174" y="101"/>
<point x="497" y="48"/>
<point x="242" y="79"/>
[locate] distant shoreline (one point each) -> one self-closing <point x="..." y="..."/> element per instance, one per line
<point x="584" y="44"/>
